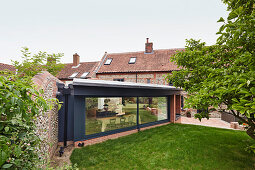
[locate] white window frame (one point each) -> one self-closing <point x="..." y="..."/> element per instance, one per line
<point x="132" y="60"/>
<point x="108" y="61"/>
<point x="84" y="75"/>
<point x="74" y="75"/>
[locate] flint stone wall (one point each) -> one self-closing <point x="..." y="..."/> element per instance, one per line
<point x="47" y="123"/>
<point x="155" y="78"/>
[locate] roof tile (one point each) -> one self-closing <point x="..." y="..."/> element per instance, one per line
<point x="68" y="70"/>
<point x="159" y="60"/>
<point x="7" y="67"/>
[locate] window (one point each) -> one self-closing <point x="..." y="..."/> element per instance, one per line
<point x="73" y="75"/>
<point x="118" y="80"/>
<point x="152" y="109"/>
<point x="84" y="75"/>
<point x="104" y="114"/>
<point x="182" y="102"/>
<point x="132" y="60"/>
<point x="108" y="61"/>
<point x="109" y="113"/>
<point x="148" y="81"/>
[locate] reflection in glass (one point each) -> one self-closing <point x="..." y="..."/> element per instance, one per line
<point x="104" y="114"/>
<point x="152" y="109"/>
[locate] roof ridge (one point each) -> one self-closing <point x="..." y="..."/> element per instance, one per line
<point x="7" y="64"/>
<point x="171" y="49"/>
<point x="85" y="62"/>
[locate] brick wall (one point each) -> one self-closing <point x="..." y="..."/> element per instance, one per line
<point x="178" y="104"/>
<point x="172" y="108"/>
<point x="155" y="77"/>
<point x="114" y="136"/>
<point x="47" y="123"/>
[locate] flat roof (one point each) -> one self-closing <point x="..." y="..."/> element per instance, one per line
<point x="118" y="84"/>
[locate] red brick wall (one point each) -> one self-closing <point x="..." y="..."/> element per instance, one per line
<point x="114" y="136"/>
<point x="178" y="104"/>
<point x="172" y="108"/>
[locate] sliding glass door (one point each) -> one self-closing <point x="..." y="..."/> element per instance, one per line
<point x="110" y="113"/>
<point x="152" y="109"/>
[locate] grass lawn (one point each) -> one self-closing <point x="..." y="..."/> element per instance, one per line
<point x="173" y="146"/>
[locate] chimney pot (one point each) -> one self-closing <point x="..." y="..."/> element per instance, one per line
<point x="76" y="59"/>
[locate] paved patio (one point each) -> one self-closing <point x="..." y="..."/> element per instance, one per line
<point x="212" y="122"/>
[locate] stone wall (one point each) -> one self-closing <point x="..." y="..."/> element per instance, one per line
<point x="155" y="77"/>
<point x="47" y="123"/>
<point x="228" y="117"/>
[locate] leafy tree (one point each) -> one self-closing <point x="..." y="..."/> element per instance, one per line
<point x="33" y="64"/>
<point x="224" y="73"/>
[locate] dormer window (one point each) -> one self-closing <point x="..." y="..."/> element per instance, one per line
<point x="132" y="60"/>
<point x="83" y="76"/>
<point x="73" y="75"/>
<point x="108" y="61"/>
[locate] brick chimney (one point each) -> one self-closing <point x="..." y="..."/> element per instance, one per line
<point x="148" y="46"/>
<point x="76" y="59"/>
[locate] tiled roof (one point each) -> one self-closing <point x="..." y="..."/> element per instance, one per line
<point x="68" y="70"/>
<point x="7" y="67"/>
<point x="156" y="61"/>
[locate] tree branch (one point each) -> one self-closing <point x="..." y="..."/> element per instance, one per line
<point x="237" y="116"/>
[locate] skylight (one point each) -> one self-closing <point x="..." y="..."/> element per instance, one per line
<point x="132" y="60"/>
<point x="84" y="75"/>
<point x="73" y="75"/>
<point x="108" y="61"/>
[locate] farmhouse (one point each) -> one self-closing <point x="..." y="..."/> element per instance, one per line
<point x="148" y="66"/>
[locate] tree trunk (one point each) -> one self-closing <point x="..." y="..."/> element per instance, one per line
<point x="250" y="132"/>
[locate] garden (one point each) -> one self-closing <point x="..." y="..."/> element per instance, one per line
<point x="173" y="146"/>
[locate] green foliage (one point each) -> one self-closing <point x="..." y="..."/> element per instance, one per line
<point x="223" y="73"/>
<point x="19" y="104"/>
<point x="33" y="64"/>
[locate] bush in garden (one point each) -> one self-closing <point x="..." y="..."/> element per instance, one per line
<point x="19" y="105"/>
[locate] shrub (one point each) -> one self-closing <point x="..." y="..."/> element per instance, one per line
<point x="19" y="104"/>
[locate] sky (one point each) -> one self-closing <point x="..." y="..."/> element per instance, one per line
<point x="93" y="27"/>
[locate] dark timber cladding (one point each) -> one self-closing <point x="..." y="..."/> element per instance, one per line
<point x="81" y="89"/>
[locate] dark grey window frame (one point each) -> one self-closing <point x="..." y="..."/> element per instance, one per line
<point x="137" y="126"/>
<point x="119" y="79"/>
